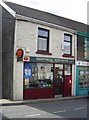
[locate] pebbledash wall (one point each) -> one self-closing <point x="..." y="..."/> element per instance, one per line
<point x="26" y="37"/>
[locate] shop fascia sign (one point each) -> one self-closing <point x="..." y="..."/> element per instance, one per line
<point x="83" y="34"/>
<point x="51" y="60"/>
<point x="82" y="63"/>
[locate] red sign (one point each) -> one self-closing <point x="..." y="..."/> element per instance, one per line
<point x="19" y="53"/>
<point x="26" y="59"/>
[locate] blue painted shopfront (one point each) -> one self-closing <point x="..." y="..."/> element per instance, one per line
<point x="82" y="81"/>
<point x="82" y="64"/>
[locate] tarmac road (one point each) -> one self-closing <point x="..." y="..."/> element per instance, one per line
<point x="75" y="108"/>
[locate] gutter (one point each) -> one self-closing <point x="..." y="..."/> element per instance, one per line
<point x="23" y="18"/>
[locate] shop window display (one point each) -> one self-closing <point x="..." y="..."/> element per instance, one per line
<point x="41" y="76"/>
<point x="68" y="69"/>
<point x="84" y="77"/>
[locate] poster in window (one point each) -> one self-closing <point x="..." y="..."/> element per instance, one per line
<point x="81" y="73"/>
<point x="27" y="71"/>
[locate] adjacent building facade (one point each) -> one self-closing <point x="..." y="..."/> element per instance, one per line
<point x="82" y="64"/>
<point x="44" y="51"/>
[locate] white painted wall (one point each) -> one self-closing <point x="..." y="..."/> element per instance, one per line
<point x="18" y="82"/>
<point x="17" y="72"/>
<point x="27" y="34"/>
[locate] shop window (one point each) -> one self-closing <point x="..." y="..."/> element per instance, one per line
<point x="43" y="40"/>
<point x="83" y="77"/>
<point x="41" y="77"/>
<point x="67" y="45"/>
<point x="67" y="70"/>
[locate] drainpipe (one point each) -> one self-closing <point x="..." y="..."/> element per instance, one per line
<point x="75" y="58"/>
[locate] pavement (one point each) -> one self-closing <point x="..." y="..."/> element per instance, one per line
<point x="8" y="102"/>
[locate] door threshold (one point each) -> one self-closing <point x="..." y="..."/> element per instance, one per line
<point x="58" y="96"/>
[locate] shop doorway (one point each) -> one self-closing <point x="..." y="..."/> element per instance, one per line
<point x="67" y="81"/>
<point x="58" y="79"/>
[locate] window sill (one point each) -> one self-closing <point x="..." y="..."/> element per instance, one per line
<point x="43" y="52"/>
<point x="69" y="56"/>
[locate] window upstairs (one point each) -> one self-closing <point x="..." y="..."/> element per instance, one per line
<point x="67" y="45"/>
<point x="43" y="41"/>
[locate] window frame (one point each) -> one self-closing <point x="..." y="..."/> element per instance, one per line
<point x="44" y="37"/>
<point x="70" y="54"/>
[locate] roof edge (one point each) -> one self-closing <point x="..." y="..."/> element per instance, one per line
<point x="46" y="12"/>
<point x="24" y="18"/>
<point x="12" y="12"/>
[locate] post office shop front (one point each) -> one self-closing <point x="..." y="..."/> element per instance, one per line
<point x="44" y="77"/>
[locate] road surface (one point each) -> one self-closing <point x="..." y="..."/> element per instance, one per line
<point x="76" y="108"/>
